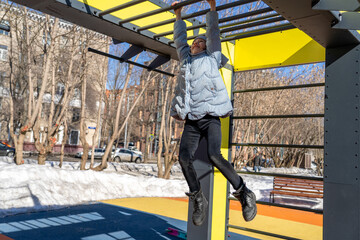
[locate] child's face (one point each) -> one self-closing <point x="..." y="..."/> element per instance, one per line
<point x="198" y="46"/>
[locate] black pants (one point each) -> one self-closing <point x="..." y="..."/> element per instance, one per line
<point x="210" y="128"/>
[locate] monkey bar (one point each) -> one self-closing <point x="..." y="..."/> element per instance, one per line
<point x="274" y="33"/>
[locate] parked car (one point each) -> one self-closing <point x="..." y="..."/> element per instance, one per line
<point x="6" y="150"/>
<point x="122" y="154"/>
<point x="98" y="153"/>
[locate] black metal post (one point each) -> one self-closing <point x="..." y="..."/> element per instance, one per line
<point x="128" y="61"/>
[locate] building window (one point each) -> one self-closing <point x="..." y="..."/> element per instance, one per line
<point x="3" y="52"/>
<point x="60" y="89"/>
<point x="76" y="93"/>
<point x="76" y="115"/>
<point x="74" y="137"/>
<point x="5" y="24"/>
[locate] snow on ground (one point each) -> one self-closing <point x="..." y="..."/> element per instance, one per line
<point x="31" y="187"/>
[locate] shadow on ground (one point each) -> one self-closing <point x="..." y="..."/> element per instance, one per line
<point x="89" y="222"/>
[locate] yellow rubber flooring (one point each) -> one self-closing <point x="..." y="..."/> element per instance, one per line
<point x="286" y="222"/>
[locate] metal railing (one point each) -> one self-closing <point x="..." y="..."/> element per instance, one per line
<point x="317" y="211"/>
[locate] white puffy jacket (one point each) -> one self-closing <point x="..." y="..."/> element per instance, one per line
<point x="200" y="88"/>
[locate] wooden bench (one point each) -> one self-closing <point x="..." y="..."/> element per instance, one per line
<point x="297" y="187"/>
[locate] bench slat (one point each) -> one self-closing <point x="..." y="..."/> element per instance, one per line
<point x="297" y="187"/>
<point x="298" y="194"/>
<point x="296" y="190"/>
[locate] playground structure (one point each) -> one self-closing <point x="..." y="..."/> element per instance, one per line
<point x="306" y="31"/>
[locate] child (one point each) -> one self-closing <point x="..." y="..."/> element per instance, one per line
<point x="200" y="99"/>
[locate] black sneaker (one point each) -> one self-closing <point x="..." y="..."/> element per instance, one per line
<point x="200" y="205"/>
<point x="248" y="202"/>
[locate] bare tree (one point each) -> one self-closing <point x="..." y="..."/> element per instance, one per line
<point x="35" y="104"/>
<point x="166" y="130"/>
<point x="102" y="83"/>
<point x="103" y="164"/>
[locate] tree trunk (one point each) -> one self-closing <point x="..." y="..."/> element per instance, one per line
<point x="63" y="142"/>
<point x="19" y="149"/>
<point x="42" y="157"/>
<point x="115" y="134"/>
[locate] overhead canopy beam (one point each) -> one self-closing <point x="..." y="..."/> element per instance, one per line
<point x="196" y="14"/>
<point x="348" y="20"/>
<point x="258" y="32"/>
<point x="157" y="11"/>
<point x="122" y="6"/>
<point x="252" y="33"/>
<point x="227" y="19"/>
<point x="254" y="24"/>
<point x="338" y="5"/>
<point x="301" y="15"/>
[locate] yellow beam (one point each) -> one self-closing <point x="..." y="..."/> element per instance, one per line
<point x="286" y="48"/>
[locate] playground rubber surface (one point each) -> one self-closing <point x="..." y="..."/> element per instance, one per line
<point x="148" y="219"/>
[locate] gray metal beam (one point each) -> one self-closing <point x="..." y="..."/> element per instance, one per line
<point x="342" y="146"/>
<point x="132" y="51"/>
<point x="253" y="24"/>
<point x="338" y="5"/>
<point x="258" y="32"/>
<point x="84" y="15"/>
<point x="158" y="61"/>
<point x="157" y="11"/>
<point x="348" y="20"/>
<point x="199" y="13"/>
<point x="315" y="23"/>
<point x="117" y="8"/>
<point x="253" y="33"/>
<point x="231" y="18"/>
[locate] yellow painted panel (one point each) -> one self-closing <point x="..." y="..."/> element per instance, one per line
<point x="290" y="47"/>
